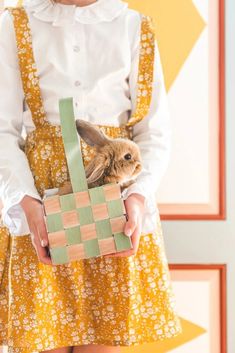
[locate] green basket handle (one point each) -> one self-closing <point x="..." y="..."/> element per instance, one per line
<point x="72" y="145"/>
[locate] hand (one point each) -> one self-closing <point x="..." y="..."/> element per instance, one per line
<point x="135" y="207"/>
<point x="35" y="216"/>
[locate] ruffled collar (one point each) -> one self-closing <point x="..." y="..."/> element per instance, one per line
<point x="61" y="14"/>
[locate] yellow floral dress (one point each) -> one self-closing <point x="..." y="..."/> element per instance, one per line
<point x="114" y="301"/>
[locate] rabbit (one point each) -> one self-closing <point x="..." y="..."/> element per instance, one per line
<point x="116" y="160"/>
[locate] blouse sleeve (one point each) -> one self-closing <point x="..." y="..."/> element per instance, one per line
<point x="152" y="134"/>
<point x="16" y="179"/>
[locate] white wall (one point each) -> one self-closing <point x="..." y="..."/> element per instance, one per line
<point x="214" y="241"/>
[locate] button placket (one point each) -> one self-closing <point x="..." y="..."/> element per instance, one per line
<point x="76" y="48"/>
<point x="79" y="69"/>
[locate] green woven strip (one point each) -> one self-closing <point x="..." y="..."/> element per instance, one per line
<point x="59" y="255"/>
<point x="73" y="235"/>
<point x="123" y="242"/>
<point x="54" y="222"/>
<point x="115" y="208"/>
<point x="97" y="195"/>
<point x="85" y="215"/>
<point x="67" y="202"/>
<point x="72" y="145"/>
<point x="103" y="229"/>
<point x="91" y="247"/>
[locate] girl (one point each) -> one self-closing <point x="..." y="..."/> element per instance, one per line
<point x="105" y="56"/>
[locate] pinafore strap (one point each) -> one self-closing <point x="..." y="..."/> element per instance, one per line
<point x="30" y="77"/>
<point x="28" y="70"/>
<point x="145" y="71"/>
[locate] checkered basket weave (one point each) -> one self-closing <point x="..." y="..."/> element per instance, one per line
<point x="88" y="222"/>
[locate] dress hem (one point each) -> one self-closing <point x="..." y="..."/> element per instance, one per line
<point x="96" y="342"/>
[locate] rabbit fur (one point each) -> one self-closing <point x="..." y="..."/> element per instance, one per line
<point x="116" y="160"/>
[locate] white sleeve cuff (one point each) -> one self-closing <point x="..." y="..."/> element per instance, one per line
<point x="139" y="188"/>
<point x="13" y="216"/>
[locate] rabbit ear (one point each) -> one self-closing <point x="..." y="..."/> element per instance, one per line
<point x="95" y="169"/>
<point x="92" y="135"/>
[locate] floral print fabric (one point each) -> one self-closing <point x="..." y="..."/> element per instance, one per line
<point x="113" y="301"/>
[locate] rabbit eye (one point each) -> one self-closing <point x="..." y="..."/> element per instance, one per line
<point x="127" y="156"/>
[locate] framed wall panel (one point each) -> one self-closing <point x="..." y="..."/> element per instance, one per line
<point x="190" y="35"/>
<point x="200" y="291"/>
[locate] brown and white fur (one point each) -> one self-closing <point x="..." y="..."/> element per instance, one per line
<point x="116" y="160"/>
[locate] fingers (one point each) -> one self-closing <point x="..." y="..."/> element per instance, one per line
<point x="43" y="235"/>
<point x="132" y="222"/>
<point x="35" y="217"/>
<point x="42" y="253"/>
<point x="39" y="237"/>
<point x="132" y="228"/>
<point x="135" y="242"/>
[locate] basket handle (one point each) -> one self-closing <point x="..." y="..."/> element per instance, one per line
<point x="72" y="145"/>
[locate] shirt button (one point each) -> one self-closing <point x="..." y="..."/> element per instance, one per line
<point x="77" y="83"/>
<point x="76" y="48"/>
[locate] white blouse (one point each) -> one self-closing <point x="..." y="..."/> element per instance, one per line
<point x="89" y="53"/>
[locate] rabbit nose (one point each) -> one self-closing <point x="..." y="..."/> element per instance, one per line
<point x="137" y="167"/>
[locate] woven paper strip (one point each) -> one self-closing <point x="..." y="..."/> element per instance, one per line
<point x="72" y="145"/>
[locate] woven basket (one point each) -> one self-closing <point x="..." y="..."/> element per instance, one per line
<point x="88" y="222"/>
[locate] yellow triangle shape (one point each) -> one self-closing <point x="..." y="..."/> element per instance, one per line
<point x="178" y="26"/>
<point x="189" y="333"/>
<point x="19" y="3"/>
